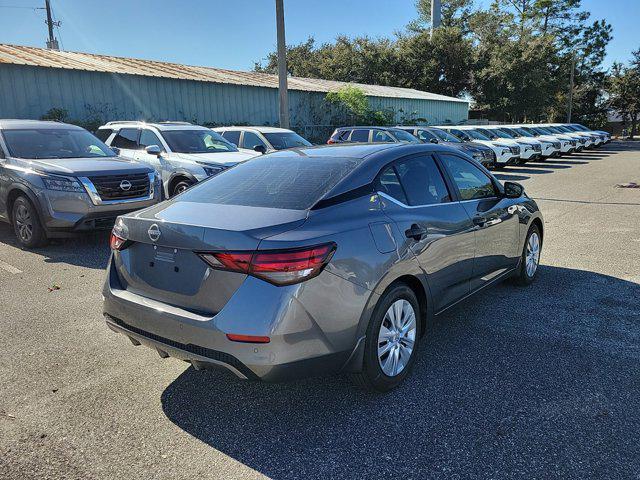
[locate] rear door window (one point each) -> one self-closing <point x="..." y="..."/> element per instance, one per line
<point x="104" y="133"/>
<point x="232" y="136"/>
<point x="389" y="184"/>
<point x="127" y="138"/>
<point x="360" y="135"/>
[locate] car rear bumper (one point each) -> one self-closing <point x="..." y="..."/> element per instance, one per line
<point x="306" y="335"/>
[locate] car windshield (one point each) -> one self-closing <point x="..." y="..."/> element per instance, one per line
<point x="197" y="141"/>
<point x="39" y="143"/>
<point x="489" y="133"/>
<point x="282" y="140"/>
<point x="273" y="181"/>
<point x="522" y="132"/>
<point x="444" y="136"/>
<point x="476" y="135"/>
<point x="503" y="133"/>
<point x="542" y="131"/>
<point x="404" y="136"/>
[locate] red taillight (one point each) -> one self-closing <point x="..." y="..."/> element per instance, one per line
<point x="116" y="242"/>
<point x="331" y="141"/>
<point x="280" y="267"/>
<point x="247" y="338"/>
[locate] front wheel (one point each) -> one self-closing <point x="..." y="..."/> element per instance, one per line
<point x="530" y="259"/>
<point x="391" y="341"/>
<point x="180" y="187"/>
<point x="26" y="224"/>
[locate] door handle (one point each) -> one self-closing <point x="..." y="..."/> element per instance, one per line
<point x="416" y="232"/>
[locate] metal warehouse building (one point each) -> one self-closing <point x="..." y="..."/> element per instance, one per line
<point x="99" y="88"/>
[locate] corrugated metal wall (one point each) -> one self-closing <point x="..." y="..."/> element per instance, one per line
<point x="29" y="92"/>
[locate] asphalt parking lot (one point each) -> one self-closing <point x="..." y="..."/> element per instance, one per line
<point x="537" y="382"/>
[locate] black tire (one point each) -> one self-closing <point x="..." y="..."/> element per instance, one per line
<point x="523" y="276"/>
<point x="180" y="186"/>
<point x="26" y="224"/>
<point x="372" y="376"/>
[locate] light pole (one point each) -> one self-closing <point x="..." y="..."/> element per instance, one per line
<point x="282" y="66"/>
<point x="570" y="105"/>
<point x="436" y="15"/>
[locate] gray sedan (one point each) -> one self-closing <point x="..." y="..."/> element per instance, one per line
<point x="318" y="260"/>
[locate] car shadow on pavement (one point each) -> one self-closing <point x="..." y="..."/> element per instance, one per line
<point x="89" y="250"/>
<point x="528" y="382"/>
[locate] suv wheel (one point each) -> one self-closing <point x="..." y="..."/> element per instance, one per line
<point x="26" y="224"/>
<point x="180" y="186"/>
<point x="392" y="340"/>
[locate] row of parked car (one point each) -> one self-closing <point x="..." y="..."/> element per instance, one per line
<point x="57" y="180"/>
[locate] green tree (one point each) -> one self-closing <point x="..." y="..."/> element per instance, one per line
<point x="624" y="91"/>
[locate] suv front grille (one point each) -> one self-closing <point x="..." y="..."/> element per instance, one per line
<point x="515" y="150"/>
<point x="537" y="147"/>
<point x="114" y="187"/>
<point x="489" y="155"/>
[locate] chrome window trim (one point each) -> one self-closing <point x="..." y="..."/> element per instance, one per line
<point x="398" y="202"/>
<point x="96" y="200"/>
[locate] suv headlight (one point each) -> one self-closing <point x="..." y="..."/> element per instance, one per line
<point x="62" y="184"/>
<point x="211" y="170"/>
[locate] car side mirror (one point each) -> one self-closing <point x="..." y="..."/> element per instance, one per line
<point x="513" y="190"/>
<point x="260" y="149"/>
<point x="433" y="140"/>
<point x="153" y="150"/>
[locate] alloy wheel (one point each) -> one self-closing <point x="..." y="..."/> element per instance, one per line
<point x="533" y="254"/>
<point x="24" y="223"/>
<point x="396" y="338"/>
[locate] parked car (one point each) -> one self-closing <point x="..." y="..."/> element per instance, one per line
<point x="506" y="154"/>
<point x="550" y="148"/>
<point x="567" y="144"/>
<point x="581" y="141"/>
<point x="181" y="153"/>
<point x="262" y="139"/>
<point x="530" y="148"/>
<point x="479" y="152"/>
<point x="318" y="260"/>
<point x="593" y="139"/>
<point x="371" y="135"/>
<point x="57" y="180"/>
<point x="576" y="127"/>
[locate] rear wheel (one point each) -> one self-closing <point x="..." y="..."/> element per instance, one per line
<point x="391" y="341"/>
<point x="26" y="224"/>
<point x="530" y="259"/>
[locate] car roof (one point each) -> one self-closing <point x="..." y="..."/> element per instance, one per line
<point x="261" y="129"/>
<point x="367" y="126"/>
<point x="16" y="124"/>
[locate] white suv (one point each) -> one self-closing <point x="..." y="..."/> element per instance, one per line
<point x="507" y="152"/>
<point x="262" y="139"/>
<point x="182" y="153"/>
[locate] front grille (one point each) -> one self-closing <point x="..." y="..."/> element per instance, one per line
<point x="515" y="150"/>
<point x="537" y="148"/>
<point x="556" y="144"/>
<point x="110" y="187"/>
<point x="489" y="154"/>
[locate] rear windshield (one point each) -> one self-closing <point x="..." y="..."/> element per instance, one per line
<point x="58" y="143"/>
<point x="273" y="181"/>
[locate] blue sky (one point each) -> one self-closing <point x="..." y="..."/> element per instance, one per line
<point x="236" y="34"/>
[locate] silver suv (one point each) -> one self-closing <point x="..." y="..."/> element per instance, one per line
<point x="57" y="180"/>
<point x="182" y="153"/>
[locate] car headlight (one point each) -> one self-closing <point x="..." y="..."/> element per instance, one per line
<point x="211" y="171"/>
<point x="62" y="184"/>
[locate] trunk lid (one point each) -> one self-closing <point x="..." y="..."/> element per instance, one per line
<point x="161" y="263"/>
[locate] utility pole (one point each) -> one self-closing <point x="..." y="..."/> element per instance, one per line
<point x="436" y="15"/>
<point x="570" y="106"/>
<point x="282" y="66"/>
<point x="52" y="43"/>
